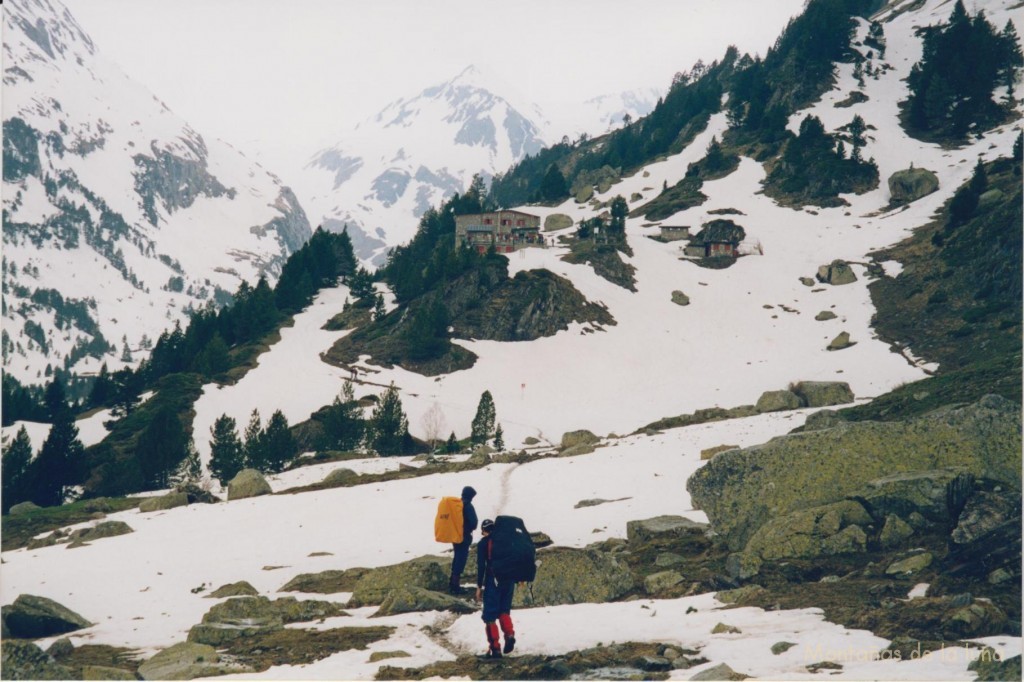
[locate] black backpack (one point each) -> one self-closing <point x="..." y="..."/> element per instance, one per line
<point x="513" y="555"/>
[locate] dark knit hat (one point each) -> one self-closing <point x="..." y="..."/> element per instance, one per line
<point x="487" y="526"/>
<point x="468" y="493"/>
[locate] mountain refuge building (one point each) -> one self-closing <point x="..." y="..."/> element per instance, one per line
<point x="507" y="231"/>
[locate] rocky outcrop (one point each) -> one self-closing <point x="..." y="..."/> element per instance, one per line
<point x="104" y="672"/>
<point x="775" y="401"/>
<point x="719" y="672"/>
<point x="248" y="483"/>
<point x="576" y="576"/>
<point x="829" y="529"/>
<point x="32" y="617"/>
<point x="678" y="531"/>
<point x="23" y="508"/>
<point x="410" y="599"/>
<point x="741" y="490"/>
<point x="239" y="589"/>
<point x="836" y="273"/>
<point x="248" y="616"/>
<point x="186" y="661"/>
<point x="168" y="501"/>
<point x="911" y="184"/>
<point x="983" y="513"/>
<point x="104" y="529"/>
<point x="339" y="478"/>
<point x="430" y="573"/>
<point x="823" y="393"/>
<point x="21" y="660"/>
<point x="326" y="582"/>
<point x="708" y="453"/>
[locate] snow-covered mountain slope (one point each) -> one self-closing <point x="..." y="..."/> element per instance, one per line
<point x="382" y="176"/>
<point x="414" y="153"/>
<point x="118" y="216"/>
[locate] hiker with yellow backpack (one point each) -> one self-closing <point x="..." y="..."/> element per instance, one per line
<point x="455" y="522"/>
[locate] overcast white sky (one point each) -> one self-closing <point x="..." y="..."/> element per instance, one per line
<point x="283" y="79"/>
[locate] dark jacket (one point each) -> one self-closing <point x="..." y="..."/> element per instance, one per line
<point x="469" y="520"/>
<point x="483" y="560"/>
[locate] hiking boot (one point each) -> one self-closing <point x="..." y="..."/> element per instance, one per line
<point x="457" y="590"/>
<point x="510" y="644"/>
<point x="493" y="653"/>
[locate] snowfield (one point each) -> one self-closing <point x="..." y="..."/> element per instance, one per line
<point x="748" y="329"/>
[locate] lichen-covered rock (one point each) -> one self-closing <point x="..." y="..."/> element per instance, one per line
<point x="576" y="576"/>
<point x="909" y="565"/>
<point x="990" y="667"/>
<point x="837" y="273"/>
<point x="911" y="184"/>
<point x="185" y="661"/>
<point x="720" y="672"/>
<point x="584" y="194"/>
<point x="557" y="221"/>
<point x="822" y="419"/>
<point x="708" y="453"/>
<point x="741" y="490"/>
<point x="782" y="647"/>
<point x="823" y="393"/>
<point x="21" y="660"/>
<point x="60" y="648"/>
<point x="104" y="529"/>
<point x="985" y="512"/>
<point x="582" y="437"/>
<point x="679" y="298"/>
<point x="326" y="582"/>
<point x="978" y="619"/>
<point x="668" y="529"/>
<point x="339" y="478"/>
<point x="741" y="595"/>
<point x="723" y="629"/>
<point x="248" y="483"/>
<point x="658" y="582"/>
<point x="383" y="655"/>
<point x="806" y="533"/>
<point x="235" y="618"/>
<point x="410" y="599"/>
<point x="168" y="501"/>
<point x="825" y="315"/>
<point x="23" y="508"/>
<point x="103" y="672"/>
<point x="894" y="532"/>
<point x="841" y="341"/>
<point x="906" y="492"/>
<point x="430" y="573"/>
<point x="775" y="401"/>
<point x="743" y="565"/>
<point x="239" y="589"/>
<point x="32" y="617"/>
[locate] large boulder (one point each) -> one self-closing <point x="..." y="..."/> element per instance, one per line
<point x="841" y="341"/>
<point x="836" y="273"/>
<point x="557" y="221"/>
<point x="248" y="483"/>
<point x="23" y="508"/>
<point x="235" y="618"/>
<point x="907" y="492"/>
<point x="326" y="582"/>
<point x="239" y="589"/>
<point x="911" y="184"/>
<point x="25" y="661"/>
<point x="430" y="573"/>
<point x="576" y="576"/>
<point x="741" y="490"/>
<point x="823" y="393"/>
<point x="32" y="617"/>
<point x="103" y="672"/>
<point x="984" y="512"/>
<point x="169" y="501"/>
<point x="410" y="599"/>
<point x="339" y="478"/>
<point x="775" y="401"/>
<point x="677" y="531"/>
<point x="829" y="529"/>
<point x="186" y="661"/>
<point x="571" y="439"/>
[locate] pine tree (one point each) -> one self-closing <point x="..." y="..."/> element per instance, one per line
<point x="278" y="443"/>
<point x="378" y="308"/>
<point x="227" y="455"/>
<point x="14" y="469"/>
<point x="102" y="389"/>
<point x="56" y="468"/>
<point x="343" y="422"/>
<point x="161" y="447"/>
<point x="190" y="470"/>
<point x="553" y="187"/>
<point x="979" y="181"/>
<point x="255" y="455"/>
<point x="499" y="439"/>
<point x="388" y="427"/>
<point x="619" y="209"/>
<point x="452" y="445"/>
<point x="483" y="423"/>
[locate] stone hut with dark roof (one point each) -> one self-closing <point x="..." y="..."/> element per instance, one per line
<point x="719" y="238"/>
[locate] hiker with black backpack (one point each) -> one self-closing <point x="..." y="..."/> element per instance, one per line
<point x="505" y="555"/>
<point x="461" y="549"/>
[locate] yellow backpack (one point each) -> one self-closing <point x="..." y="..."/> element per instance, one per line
<point x="448" y="522"/>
